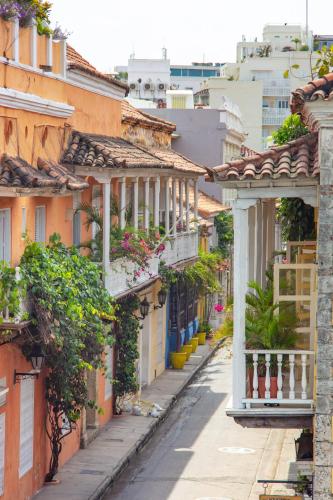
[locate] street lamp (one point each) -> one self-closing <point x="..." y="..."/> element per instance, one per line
<point x="161" y="297"/>
<point x="37" y="358"/>
<point x="144" y="308"/>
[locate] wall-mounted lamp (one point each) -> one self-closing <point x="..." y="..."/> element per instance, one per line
<point x="161" y="297"/>
<point x="37" y="358"/>
<point x="144" y="308"/>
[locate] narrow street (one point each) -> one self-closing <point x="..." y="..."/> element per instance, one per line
<point x="199" y="453"/>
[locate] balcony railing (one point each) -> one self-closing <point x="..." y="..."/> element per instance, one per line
<point x="9" y="321"/>
<point x="276" y="89"/>
<point x="292" y="384"/>
<point x="124" y="274"/>
<point x="274" y="116"/>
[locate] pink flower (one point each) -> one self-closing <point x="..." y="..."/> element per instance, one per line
<point x="127" y="236"/>
<point x="125" y="245"/>
<point x="218" y="308"/>
<point x="160" y="248"/>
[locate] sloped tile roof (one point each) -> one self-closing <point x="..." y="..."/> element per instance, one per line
<point x="76" y="61"/>
<point x="298" y="158"/>
<point x="207" y="205"/>
<point x="17" y="173"/>
<point x="179" y="161"/>
<point x="134" y="116"/>
<point x="112" y="152"/>
<point x="321" y="88"/>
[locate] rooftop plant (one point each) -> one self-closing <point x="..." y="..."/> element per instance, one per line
<point x="24" y="10"/>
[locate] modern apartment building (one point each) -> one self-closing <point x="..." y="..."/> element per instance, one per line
<point x="149" y="79"/>
<point x="278" y="64"/>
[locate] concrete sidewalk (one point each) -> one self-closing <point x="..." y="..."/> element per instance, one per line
<point x="89" y="473"/>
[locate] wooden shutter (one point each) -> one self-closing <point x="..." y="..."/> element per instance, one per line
<point x="5" y="234"/>
<point x="109" y="372"/>
<point x="40" y="223"/>
<point x="26" y="425"/>
<point x="2" y="451"/>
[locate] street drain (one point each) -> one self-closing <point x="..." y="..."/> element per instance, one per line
<point x="92" y="472"/>
<point x="237" y="450"/>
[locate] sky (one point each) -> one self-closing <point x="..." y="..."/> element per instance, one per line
<point x="106" y="32"/>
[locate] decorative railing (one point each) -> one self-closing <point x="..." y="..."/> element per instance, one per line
<point x="274" y="116"/>
<point x="279" y="90"/>
<point x="279" y="377"/>
<point x="184" y="246"/>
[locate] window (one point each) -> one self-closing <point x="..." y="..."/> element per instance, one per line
<point x="283" y="104"/>
<point x="209" y="72"/>
<point x="109" y="372"/>
<point x="185" y="72"/>
<point x="179" y="102"/>
<point x="40" y="224"/>
<point x="5" y="235"/>
<point x="176" y="72"/>
<point x="26" y="425"/>
<point x="2" y="452"/>
<point x="24" y="221"/>
<point x="195" y="72"/>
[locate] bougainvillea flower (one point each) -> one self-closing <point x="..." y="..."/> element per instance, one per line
<point x="218" y="308"/>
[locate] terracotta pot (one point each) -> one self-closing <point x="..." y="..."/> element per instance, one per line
<point x="261" y="387"/>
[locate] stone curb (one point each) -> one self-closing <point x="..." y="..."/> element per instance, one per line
<point x="107" y="483"/>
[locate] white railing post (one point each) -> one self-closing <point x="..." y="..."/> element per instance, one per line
<point x="146" y="207"/>
<point x="106" y="230"/>
<point x="49" y="51"/>
<point x="181" y="206"/>
<point x="292" y="376"/>
<point x="16" y="40"/>
<point x="304" y="379"/>
<point x="157" y="202"/>
<point x="33" y="45"/>
<point x="135" y="202"/>
<point x="279" y="376"/>
<point x="255" y="376"/>
<point x="187" y="205"/>
<point x="122" y="182"/>
<point x="167" y="206"/>
<point x="174" y="207"/>
<point x="268" y="376"/>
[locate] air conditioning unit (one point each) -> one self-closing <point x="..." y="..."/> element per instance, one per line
<point x="161" y="86"/>
<point x="133" y="86"/>
<point x="174" y="86"/>
<point x="148" y="86"/>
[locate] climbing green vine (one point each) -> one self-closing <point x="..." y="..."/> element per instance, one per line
<point x="72" y="312"/>
<point x="12" y="292"/>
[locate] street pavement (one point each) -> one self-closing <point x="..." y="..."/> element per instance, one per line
<point x="199" y="453"/>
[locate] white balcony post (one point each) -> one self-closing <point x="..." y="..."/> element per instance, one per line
<point x="196" y="199"/>
<point x="258" y="242"/>
<point x="181" y="205"/>
<point x="174" y="207"/>
<point x="135" y="202"/>
<point x="268" y="376"/>
<point x="63" y="59"/>
<point x="255" y="394"/>
<point x="304" y="379"/>
<point x="270" y="239"/>
<point x="167" y="205"/>
<point x="122" y="208"/>
<point x="291" y="376"/>
<point x="16" y="40"/>
<point x="157" y="202"/>
<point x="146" y="202"/>
<point x="49" y="53"/>
<point x="264" y="243"/>
<point x="241" y="262"/>
<point x="279" y="376"/>
<point x="33" y="45"/>
<point x="106" y="228"/>
<point x="187" y="205"/>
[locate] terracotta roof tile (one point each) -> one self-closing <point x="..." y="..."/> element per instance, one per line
<point x="298" y="158"/>
<point x="111" y="152"/>
<point x="207" y="205"/>
<point x="321" y="88"/>
<point x="76" y="61"/>
<point x="179" y="161"/>
<point x="16" y="172"/>
<point x="134" y="116"/>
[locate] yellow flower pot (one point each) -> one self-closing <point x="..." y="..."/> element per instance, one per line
<point x="188" y="350"/>
<point x="178" y="360"/>
<point x="202" y="338"/>
<point x="194" y="341"/>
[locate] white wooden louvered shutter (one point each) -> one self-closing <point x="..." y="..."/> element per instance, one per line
<point x="26" y="425"/>
<point x="109" y="372"/>
<point x="5" y="234"/>
<point x="2" y="452"/>
<point x="40" y="224"/>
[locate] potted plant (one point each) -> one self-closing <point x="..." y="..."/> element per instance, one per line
<point x="188" y="349"/>
<point x="269" y="326"/>
<point x="178" y="360"/>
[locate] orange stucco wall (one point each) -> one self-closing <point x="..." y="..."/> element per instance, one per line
<point x="30" y="135"/>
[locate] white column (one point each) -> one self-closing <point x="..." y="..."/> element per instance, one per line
<point x="146" y="202"/>
<point x="174" y="207"/>
<point x="196" y="199"/>
<point x="136" y="202"/>
<point x="258" y="243"/>
<point x="16" y="40"/>
<point x="264" y="243"/>
<point x="187" y="205"/>
<point x="49" y="53"/>
<point x="181" y="206"/>
<point x="241" y="274"/>
<point x="63" y="64"/>
<point x="122" y="208"/>
<point x="157" y="202"/>
<point x="106" y="228"/>
<point x="270" y="246"/>
<point x="167" y="205"/>
<point x="33" y="46"/>
<point x="252" y="242"/>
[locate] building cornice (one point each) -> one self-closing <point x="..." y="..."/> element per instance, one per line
<point x="95" y="84"/>
<point x="10" y="98"/>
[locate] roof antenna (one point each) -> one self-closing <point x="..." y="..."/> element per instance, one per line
<point x="164" y="53"/>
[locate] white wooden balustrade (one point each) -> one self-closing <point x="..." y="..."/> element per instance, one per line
<point x="6" y="317"/>
<point x="293" y="370"/>
<point x="184" y="246"/>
